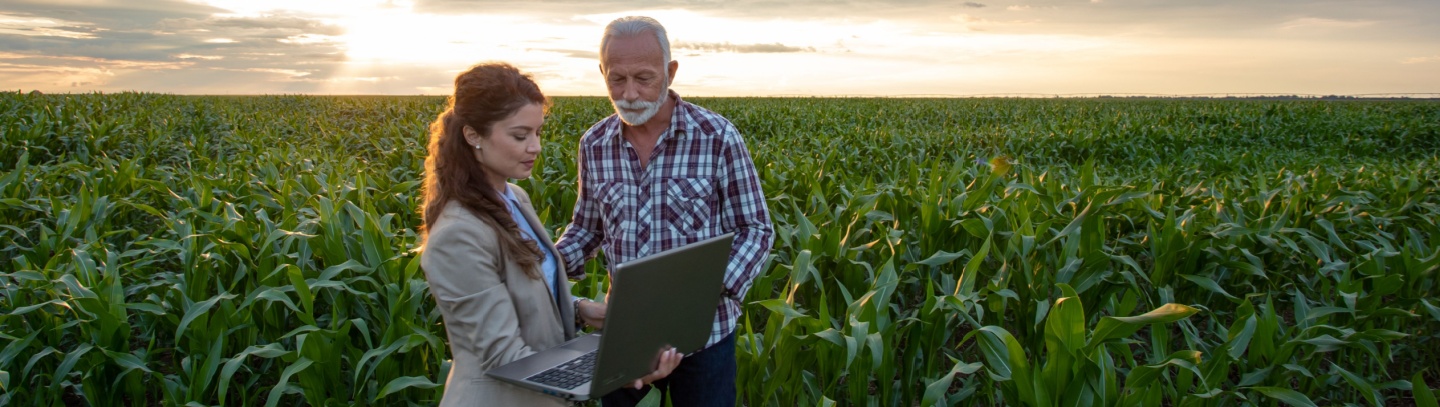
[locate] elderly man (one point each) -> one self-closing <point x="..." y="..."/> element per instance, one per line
<point x="659" y="174"/>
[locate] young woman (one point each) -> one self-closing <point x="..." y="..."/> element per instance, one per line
<point x="491" y="265"/>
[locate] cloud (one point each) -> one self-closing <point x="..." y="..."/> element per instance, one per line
<point x="26" y="25"/>
<point x="108" y="44"/>
<point x="1313" y="22"/>
<point x="969" y="19"/>
<point x="32" y="61"/>
<point x="1421" y="60"/>
<point x="73" y="72"/>
<point x="565" y="10"/>
<point x="271" y="25"/>
<point x="572" y="53"/>
<point x="740" y="48"/>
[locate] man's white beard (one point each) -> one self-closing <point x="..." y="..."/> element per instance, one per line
<point x="636" y="119"/>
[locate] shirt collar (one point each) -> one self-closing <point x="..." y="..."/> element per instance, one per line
<point x="679" y="120"/>
<point x="510" y="195"/>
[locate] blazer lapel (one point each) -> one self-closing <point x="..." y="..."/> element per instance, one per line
<point x="563" y="310"/>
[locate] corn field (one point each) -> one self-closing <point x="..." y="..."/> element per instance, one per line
<point x="204" y="250"/>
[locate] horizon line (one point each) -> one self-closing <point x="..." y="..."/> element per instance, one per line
<point x="1032" y="95"/>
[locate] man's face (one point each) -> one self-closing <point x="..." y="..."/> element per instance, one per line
<point x="635" y="72"/>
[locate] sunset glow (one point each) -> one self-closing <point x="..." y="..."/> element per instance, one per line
<point x="740" y="48"/>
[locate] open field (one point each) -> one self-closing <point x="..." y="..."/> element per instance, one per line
<point x="163" y="250"/>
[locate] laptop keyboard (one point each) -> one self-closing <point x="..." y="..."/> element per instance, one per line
<point x="568" y="375"/>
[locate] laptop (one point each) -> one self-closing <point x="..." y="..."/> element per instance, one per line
<point x="662" y="300"/>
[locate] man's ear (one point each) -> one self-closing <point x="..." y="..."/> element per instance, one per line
<point x="674" y="66"/>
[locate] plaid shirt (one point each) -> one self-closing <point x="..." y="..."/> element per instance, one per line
<point x="699" y="183"/>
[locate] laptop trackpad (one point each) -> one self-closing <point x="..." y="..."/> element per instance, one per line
<point x="549" y="358"/>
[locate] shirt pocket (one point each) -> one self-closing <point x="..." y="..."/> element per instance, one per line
<point x="687" y="205"/>
<point x="615" y="205"/>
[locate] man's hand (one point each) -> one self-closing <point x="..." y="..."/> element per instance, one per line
<point x="592" y="313"/>
<point x="669" y="359"/>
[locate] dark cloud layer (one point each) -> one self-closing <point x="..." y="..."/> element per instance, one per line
<point x="122" y="35"/>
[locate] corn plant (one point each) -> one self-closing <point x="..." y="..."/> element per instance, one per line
<point x="261" y="250"/>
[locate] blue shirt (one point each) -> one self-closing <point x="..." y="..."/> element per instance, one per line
<point x="549" y="269"/>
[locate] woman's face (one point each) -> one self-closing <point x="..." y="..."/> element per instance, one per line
<point x="510" y="148"/>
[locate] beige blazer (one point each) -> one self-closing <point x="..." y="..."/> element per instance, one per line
<point x="494" y="313"/>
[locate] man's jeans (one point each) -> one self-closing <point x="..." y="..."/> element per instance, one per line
<point x="706" y="378"/>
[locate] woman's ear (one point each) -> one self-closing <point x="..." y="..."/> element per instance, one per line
<point x="472" y="137"/>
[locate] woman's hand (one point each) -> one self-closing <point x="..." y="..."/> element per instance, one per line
<point x="592" y="313"/>
<point x="669" y="359"/>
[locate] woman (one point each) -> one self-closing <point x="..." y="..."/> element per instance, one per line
<point x="491" y="265"/>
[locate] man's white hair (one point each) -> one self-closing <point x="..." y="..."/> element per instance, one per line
<point x="632" y="25"/>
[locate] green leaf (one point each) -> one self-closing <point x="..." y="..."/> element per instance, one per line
<point x="28" y="308"/>
<point x="1067" y="321"/>
<point x="69" y="363"/>
<point x="1142" y="376"/>
<point x="1288" y="396"/>
<point x="1325" y="343"/>
<point x="128" y="361"/>
<point x="284" y="382"/>
<point x="1208" y="284"/>
<point x="405" y="382"/>
<point x="1240" y="341"/>
<point x="1318" y="312"/>
<point x="1127" y="197"/>
<point x="1424" y="396"/>
<point x="146" y="307"/>
<point x="966" y="285"/>
<point x="935" y="391"/>
<point x="1072" y="230"/>
<point x="1006" y="360"/>
<point x="651" y="399"/>
<point x="269" y="351"/>
<point x="1433" y="310"/>
<point x="1360" y="384"/>
<point x="1120" y="327"/>
<point x="977" y="227"/>
<point x="307" y="299"/>
<point x="1255" y="377"/>
<point x="941" y="257"/>
<point x="13" y="349"/>
<point x="779" y="306"/>
<point x="380" y="353"/>
<point x="196" y="310"/>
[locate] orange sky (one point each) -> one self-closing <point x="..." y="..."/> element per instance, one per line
<point x="742" y="48"/>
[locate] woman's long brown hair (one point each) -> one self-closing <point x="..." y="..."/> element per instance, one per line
<point x="484" y="95"/>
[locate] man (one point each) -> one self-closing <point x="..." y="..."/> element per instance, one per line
<point x="659" y="174"/>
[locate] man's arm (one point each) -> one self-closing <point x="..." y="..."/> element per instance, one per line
<point x="743" y="211"/>
<point x="584" y="233"/>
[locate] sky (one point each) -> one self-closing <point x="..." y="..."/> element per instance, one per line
<point x="729" y="48"/>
